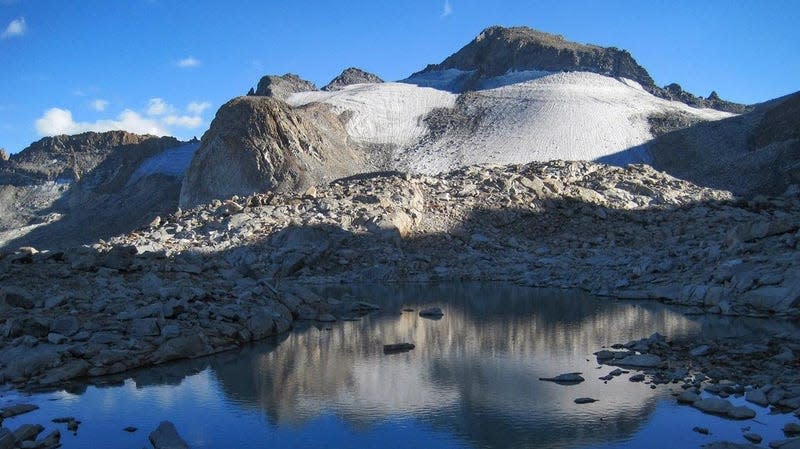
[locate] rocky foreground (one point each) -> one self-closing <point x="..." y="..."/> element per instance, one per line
<point x="215" y="277"/>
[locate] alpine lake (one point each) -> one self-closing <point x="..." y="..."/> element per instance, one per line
<point x="472" y="380"/>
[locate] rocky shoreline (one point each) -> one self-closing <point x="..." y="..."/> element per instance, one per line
<point x="218" y="276"/>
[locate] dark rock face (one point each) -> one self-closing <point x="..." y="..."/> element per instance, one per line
<point x="778" y="124"/>
<point x="258" y="144"/>
<point x="282" y="86"/>
<point x="350" y="76"/>
<point x="498" y="50"/>
<point x="754" y="153"/>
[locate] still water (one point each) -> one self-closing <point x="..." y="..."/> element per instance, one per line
<point x="471" y="382"/>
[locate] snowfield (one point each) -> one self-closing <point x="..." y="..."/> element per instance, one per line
<point x="568" y="115"/>
<point x="386" y="113"/>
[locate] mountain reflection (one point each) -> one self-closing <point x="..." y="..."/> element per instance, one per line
<point x="473" y="373"/>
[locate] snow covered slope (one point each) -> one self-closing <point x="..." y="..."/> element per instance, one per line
<point x="566" y="115"/>
<point x="387" y="113"/>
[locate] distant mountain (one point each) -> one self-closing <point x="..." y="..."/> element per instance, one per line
<point x="68" y="190"/>
<point x="499" y="51"/>
<point x="352" y="76"/>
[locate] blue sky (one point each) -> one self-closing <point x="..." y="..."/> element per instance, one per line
<point x="166" y="66"/>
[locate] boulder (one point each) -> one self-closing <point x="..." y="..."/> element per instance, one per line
<point x="186" y="347"/>
<point x="259" y="144"/>
<point x="716" y="406"/>
<point x="7" y="440"/>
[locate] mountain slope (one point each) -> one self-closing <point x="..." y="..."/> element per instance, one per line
<point x="574" y="116"/>
<point x="757" y="152"/>
<point x="68" y="190"/>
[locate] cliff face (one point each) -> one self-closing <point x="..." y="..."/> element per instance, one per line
<point x="258" y="144"/>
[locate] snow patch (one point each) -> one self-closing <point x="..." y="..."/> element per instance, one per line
<point x="567" y="115"/>
<point x="386" y="113"/>
<point x="171" y="162"/>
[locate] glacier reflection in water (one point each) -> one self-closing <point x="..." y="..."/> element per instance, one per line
<point x="472" y="380"/>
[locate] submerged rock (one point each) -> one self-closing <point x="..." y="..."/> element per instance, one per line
<point x="565" y="379"/>
<point x="166" y="437"/>
<point x="431" y="312"/>
<point x="397" y="347"/>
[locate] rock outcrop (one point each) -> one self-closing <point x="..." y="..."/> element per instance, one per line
<point x="351" y="76"/>
<point x="282" y="86"/>
<point x="498" y="51"/>
<point x="258" y="144"/>
<point x="3" y="155"/>
<point x="675" y="92"/>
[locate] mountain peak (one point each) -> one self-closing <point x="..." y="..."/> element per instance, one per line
<point x="499" y="50"/>
<point x="352" y="75"/>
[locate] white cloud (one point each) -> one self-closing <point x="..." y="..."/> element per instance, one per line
<point x="188" y="62"/>
<point x="59" y="121"/>
<point x="448" y="9"/>
<point x="197" y="108"/>
<point x="159" y="118"/>
<point x="157" y="106"/>
<point x="183" y="121"/>
<point x="99" y="105"/>
<point x="17" y="27"/>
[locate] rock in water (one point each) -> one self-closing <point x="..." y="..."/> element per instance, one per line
<point x="716" y="406"/>
<point x="565" y="379"/>
<point x="15" y="410"/>
<point x="741" y="412"/>
<point x="431" y="312"/>
<point x="166" y="437"/>
<point x="7" y="440"/>
<point x="640" y="361"/>
<point x="585" y="400"/>
<point x="397" y="347"/>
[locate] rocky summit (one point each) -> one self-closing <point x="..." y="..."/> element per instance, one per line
<point x="281" y="86"/>
<point x="352" y="76"/>
<point x="499" y="51"/>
